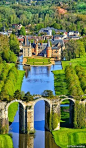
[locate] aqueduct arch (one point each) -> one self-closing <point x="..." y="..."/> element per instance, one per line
<point x="27" y="111"/>
<point x="71" y="109"/>
<point x="48" y="106"/>
<point x="21" y="114"/>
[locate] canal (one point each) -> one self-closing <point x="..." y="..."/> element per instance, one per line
<point x="36" y="80"/>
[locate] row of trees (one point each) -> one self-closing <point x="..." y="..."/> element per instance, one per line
<point x="3" y="74"/>
<point x="81" y="72"/>
<point x="9" y="83"/>
<point x="79" y="115"/>
<point x="73" y="81"/>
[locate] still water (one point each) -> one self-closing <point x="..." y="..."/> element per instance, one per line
<point x="36" y="80"/>
<point x="41" y="139"/>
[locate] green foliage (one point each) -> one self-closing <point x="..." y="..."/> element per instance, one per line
<point x="74" y="49"/>
<point x="79" y="115"/>
<point x="54" y="120"/>
<point x="6" y="141"/>
<point x="22" y="31"/>
<point x="65" y="117"/>
<point x="5" y="52"/>
<point x="28" y="97"/>
<point x="12" y="111"/>
<point x="73" y="81"/>
<point x="14" y="44"/>
<point x="66" y="136"/>
<point x="48" y="93"/>
<point x="11" y="80"/>
<point x="60" y="82"/>
<point x="81" y="72"/>
<point x="4" y="129"/>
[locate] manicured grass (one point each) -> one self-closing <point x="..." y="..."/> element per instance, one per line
<point x="65" y="117"/>
<point x="19" y="81"/>
<point x="67" y="136"/>
<point x="6" y="141"/>
<point x="12" y="111"/>
<point x="81" y="61"/>
<point x="60" y="82"/>
<point x="38" y="61"/>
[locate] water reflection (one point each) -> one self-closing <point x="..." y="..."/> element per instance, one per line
<point x="36" y="80"/>
<point x="41" y="139"/>
<point x="39" y="78"/>
<point x="27" y="141"/>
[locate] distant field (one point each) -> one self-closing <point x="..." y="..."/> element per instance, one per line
<point x="38" y="61"/>
<point x="67" y="136"/>
<point x="5" y="141"/>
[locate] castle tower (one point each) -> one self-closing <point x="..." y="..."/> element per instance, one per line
<point x="30" y="50"/>
<point x="48" y="49"/>
<point x="36" y="48"/>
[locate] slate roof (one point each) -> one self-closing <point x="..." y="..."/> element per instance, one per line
<point x="55" y="42"/>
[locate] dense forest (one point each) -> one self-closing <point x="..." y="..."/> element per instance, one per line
<point x="64" y="14"/>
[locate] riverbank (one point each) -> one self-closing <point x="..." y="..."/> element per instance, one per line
<point x="6" y="141"/>
<point x="66" y="137"/>
<point x="19" y="80"/>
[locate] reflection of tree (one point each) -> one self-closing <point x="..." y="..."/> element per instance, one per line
<point x="49" y="141"/>
<point x="26" y="141"/>
<point x="48" y="70"/>
<point x="27" y="70"/>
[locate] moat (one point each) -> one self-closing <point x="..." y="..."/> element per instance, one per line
<point x="36" y="80"/>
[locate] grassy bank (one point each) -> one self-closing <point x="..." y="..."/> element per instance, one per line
<point x="6" y="141"/>
<point x="38" y="61"/>
<point x="19" y="80"/>
<point x="66" y="136"/>
<point x="12" y="111"/>
<point x="14" y="106"/>
<point x="60" y="82"/>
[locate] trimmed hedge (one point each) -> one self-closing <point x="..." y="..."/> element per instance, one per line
<point x="73" y="81"/>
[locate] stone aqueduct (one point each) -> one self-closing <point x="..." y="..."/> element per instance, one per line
<point x="26" y="112"/>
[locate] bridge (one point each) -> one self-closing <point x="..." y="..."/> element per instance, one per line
<point x="26" y="112"/>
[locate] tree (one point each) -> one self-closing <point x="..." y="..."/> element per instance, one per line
<point x="17" y="94"/>
<point x="14" y="44"/>
<point x="28" y="97"/>
<point x="47" y="93"/>
<point x="22" y="31"/>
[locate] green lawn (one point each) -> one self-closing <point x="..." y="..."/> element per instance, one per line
<point x="20" y="78"/>
<point x="81" y="61"/>
<point x="6" y="141"/>
<point x="64" y="122"/>
<point x="38" y="61"/>
<point x="67" y="136"/>
<point x="12" y="111"/>
<point x="60" y="82"/>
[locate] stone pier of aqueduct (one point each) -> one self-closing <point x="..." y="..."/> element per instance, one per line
<point x="26" y="112"/>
